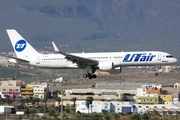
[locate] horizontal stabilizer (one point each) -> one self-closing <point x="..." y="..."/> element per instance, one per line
<point x="21" y="60"/>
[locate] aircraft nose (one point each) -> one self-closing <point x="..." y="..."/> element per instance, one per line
<point x="175" y="60"/>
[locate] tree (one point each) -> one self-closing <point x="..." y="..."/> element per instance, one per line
<point x="135" y="117"/>
<point x="2" y="101"/>
<point x="37" y="100"/>
<point x="9" y="101"/>
<point x="58" y="100"/>
<point x="51" y="113"/>
<point x="74" y="101"/>
<point x="145" y="116"/>
<point x="125" y="98"/>
<point x="22" y="101"/>
<point x="33" y="111"/>
<point x="21" y="106"/>
<point x="45" y="101"/>
<point x="27" y="100"/>
<point x="32" y="100"/>
<point x="68" y="108"/>
<point x="89" y="102"/>
<point x="27" y="112"/>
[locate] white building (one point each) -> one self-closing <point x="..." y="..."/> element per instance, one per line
<point x="81" y="107"/>
<point x="60" y="79"/>
<point x="122" y="107"/>
<point x="177" y="85"/>
<point x="7" y="109"/>
<point x="140" y="92"/>
<point x="99" y="94"/>
<point x="143" y="108"/>
<point x="105" y="107"/>
<point x="97" y="106"/>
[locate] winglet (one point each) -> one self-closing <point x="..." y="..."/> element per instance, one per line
<point x="55" y="47"/>
<point x="57" y="50"/>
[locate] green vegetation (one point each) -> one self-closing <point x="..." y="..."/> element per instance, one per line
<point x="32" y="74"/>
<point x="12" y="72"/>
<point x="74" y="101"/>
<point x="58" y="99"/>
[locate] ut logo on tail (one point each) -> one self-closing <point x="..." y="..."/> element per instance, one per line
<point x="20" y="45"/>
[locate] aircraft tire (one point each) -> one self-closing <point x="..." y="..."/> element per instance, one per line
<point x="85" y="75"/>
<point x="94" y="76"/>
<point x="90" y="76"/>
<point x="156" y="74"/>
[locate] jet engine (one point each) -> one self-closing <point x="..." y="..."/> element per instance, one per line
<point x="106" y="66"/>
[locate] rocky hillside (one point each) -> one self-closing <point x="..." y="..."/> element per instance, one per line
<point x="94" y="25"/>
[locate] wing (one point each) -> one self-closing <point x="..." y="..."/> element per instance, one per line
<point x="80" y="61"/>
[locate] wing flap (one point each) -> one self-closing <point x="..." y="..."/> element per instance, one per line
<point x="80" y="60"/>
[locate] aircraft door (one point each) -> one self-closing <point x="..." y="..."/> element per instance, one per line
<point x="159" y="57"/>
<point x="38" y="60"/>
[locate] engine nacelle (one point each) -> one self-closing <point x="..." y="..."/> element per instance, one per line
<point x="106" y="66"/>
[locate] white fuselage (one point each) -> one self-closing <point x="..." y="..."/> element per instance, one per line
<point x="105" y="61"/>
<point x="142" y="58"/>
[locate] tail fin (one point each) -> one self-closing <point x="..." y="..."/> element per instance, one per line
<point x="21" y="47"/>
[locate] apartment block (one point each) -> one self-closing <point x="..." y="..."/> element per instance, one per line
<point x="11" y="88"/>
<point x="147" y="99"/>
<point x="39" y="89"/>
<point x="27" y="91"/>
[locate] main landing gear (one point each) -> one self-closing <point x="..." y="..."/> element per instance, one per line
<point x="89" y="75"/>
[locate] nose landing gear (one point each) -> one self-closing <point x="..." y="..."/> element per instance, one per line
<point x="156" y="74"/>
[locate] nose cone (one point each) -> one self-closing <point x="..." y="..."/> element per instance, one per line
<point x="174" y="60"/>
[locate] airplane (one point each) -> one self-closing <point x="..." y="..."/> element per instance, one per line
<point x="103" y="61"/>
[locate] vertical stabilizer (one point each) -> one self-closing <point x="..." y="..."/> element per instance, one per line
<point x="21" y="47"/>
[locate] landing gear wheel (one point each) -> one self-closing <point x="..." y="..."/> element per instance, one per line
<point x="94" y="76"/>
<point x="90" y="76"/>
<point x="85" y="75"/>
<point x="156" y="74"/>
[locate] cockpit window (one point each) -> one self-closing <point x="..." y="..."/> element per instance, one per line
<point x="169" y="56"/>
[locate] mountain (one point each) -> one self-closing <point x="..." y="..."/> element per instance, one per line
<point x="94" y="25"/>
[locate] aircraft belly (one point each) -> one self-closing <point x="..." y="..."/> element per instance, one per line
<point x="144" y="63"/>
<point x="56" y="64"/>
<point x="139" y="63"/>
